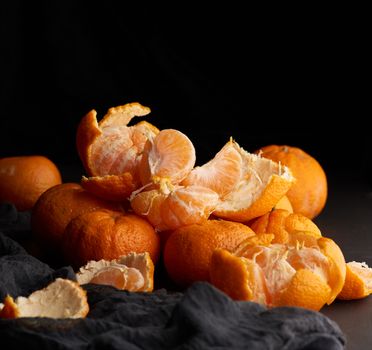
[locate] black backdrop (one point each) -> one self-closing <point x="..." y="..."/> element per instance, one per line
<point x="262" y="77"/>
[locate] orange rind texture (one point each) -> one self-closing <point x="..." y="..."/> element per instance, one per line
<point x="107" y="234"/>
<point x="188" y="249"/>
<point x="273" y="274"/>
<point x="57" y="206"/>
<point x="110" y="187"/>
<point x="283" y="224"/>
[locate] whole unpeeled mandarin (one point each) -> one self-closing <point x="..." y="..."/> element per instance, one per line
<point x="23" y="179"/>
<point x="108" y="234"/>
<point x="189" y="249"/>
<point x="57" y="207"/>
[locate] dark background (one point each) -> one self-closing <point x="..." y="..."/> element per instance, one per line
<point x="263" y="77"/>
<point x="276" y="75"/>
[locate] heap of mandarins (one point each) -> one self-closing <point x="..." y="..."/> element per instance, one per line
<point x="242" y="221"/>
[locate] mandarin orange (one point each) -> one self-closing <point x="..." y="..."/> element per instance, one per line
<point x="107" y="234"/>
<point x="261" y="185"/>
<point x="57" y="206"/>
<point x="111" y="150"/>
<point x="308" y="195"/>
<point x="23" y="179"/>
<point x="309" y="273"/>
<point x="188" y="250"/>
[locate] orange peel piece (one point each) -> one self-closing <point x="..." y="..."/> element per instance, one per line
<point x="111" y="150"/>
<point x="133" y="272"/>
<point x="110" y="187"/>
<point x="306" y="289"/>
<point x="283" y="224"/>
<point x="358" y="282"/>
<point x="261" y="185"/>
<point x="60" y="299"/>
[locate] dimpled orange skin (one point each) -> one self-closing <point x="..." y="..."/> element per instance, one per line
<point x="306" y="289"/>
<point x="23" y="179"/>
<point x="58" y="206"/>
<point x="282" y="224"/>
<point x="308" y="195"/>
<point x="188" y="249"/>
<point x="107" y="234"/>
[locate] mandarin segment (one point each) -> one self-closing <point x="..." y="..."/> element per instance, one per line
<point x="133" y="272"/>
<point x="188" y="205"/>
<point x="144" y="264"/>
<point x="170" y="155"/>
<point x="148" y="205"/>
<point x="181" y="206"/>
<point x="221" y="174"/>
